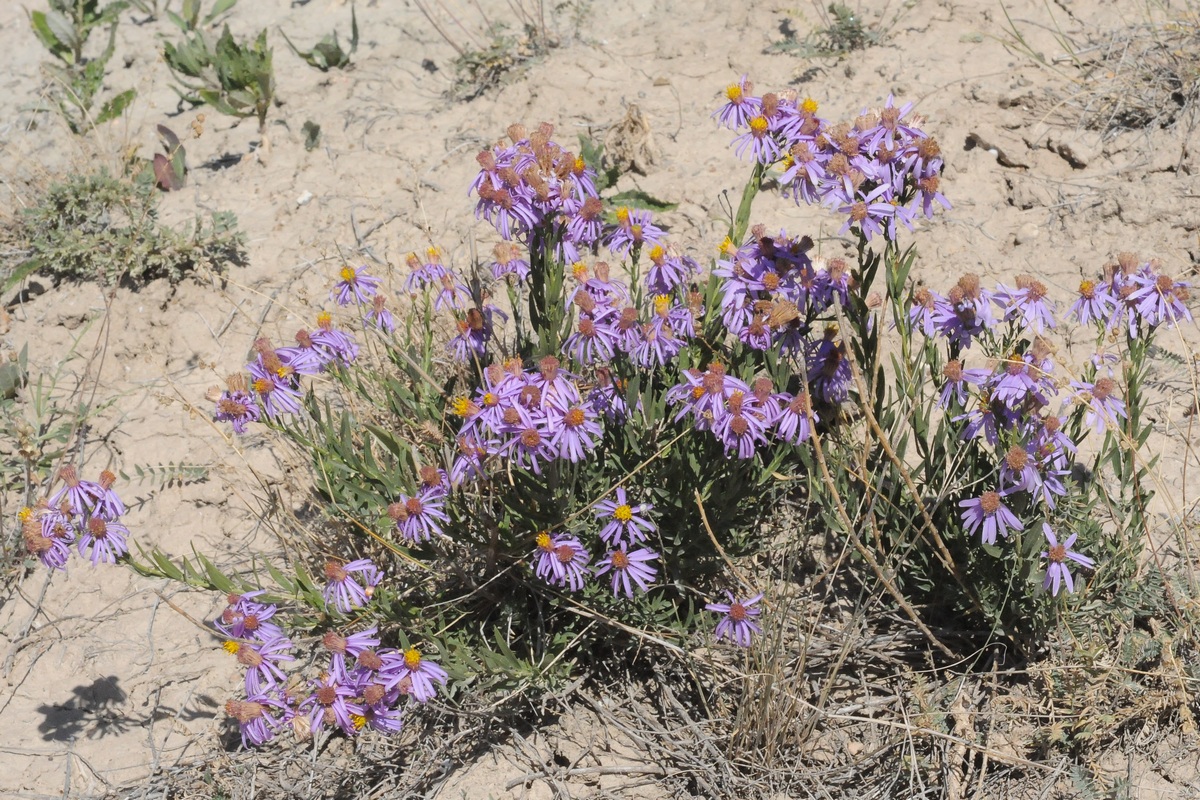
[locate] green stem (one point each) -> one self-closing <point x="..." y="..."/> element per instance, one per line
<point x="741" y="223"/>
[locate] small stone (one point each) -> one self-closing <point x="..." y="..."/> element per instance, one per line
<point x="1027" y="233"/>
<point x="305" y="198"/>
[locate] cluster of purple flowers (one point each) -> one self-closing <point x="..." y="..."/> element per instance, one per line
<point x="527" y="417"/>
<point x="474" y="320"/>
<point x="363" y="686"/>
<point x="881" y="170"/>
<point x="1008" y="401"/>
<point x="608" y="324"/>
<point x="274" y="386"/>
<point x="532" y="186"/>
<point x="420" y="517"/>
<point x="562" y="560"/>
<point x="742" y="416"/>
<point x="84" y="513"/>
<point x="1135" y="296"/>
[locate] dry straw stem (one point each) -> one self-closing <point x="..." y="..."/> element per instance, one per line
<point x="862" y="549"/>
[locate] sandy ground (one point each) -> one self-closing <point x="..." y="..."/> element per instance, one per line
<point x="104" y="679"/>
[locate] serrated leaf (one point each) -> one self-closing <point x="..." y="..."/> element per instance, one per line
<point x="63" y="29"/>
<point x="37" y="19"/>
<point x="116" y="106"/>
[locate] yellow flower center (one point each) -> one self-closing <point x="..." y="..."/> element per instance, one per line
<point x="580" y="165"/>
<point x="623" y="513"/>
<point x="661" y="301"/>
<point x="733" y="93"/>
<point x="579" y="270"/>
<point x="758" y="126"/>
<point x="727" y="247"/>
<point x="231" y="647"/>
<point x="358" y="721"/>
<point x="623" y="215"/>
<point x="24" y="514"/>
<point x="459" y="406"/>
<point x="490" y="399"/>
<point x="656" y="253"/>
<point x="809" y="106"/>
<point x="412" y="659"/>
<point x="324" y="319"/>
<point x="433" y="255"/>
<point x="263" y="385"/>
<point x="348" y="274"/>
<point x="543" y="542"/>
<point x="788" y="162"/>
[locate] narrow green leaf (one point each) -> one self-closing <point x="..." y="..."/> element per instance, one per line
<point x="116" y="106"/>
<point x="636" y="198"/>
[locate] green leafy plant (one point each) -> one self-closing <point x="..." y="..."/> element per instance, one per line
<point x="64" y="30"/>
<point x="105" y="228"/>
<point x="235" y="78"/>
<point x="189" y="20"/>
<point x="328" y="54"/>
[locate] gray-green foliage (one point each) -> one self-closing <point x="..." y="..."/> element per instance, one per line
<point x="77" y="81"/>
<point x="188" y="19"/>
<point x="235" y="78"/>
<point x="328" y="53"/>
<point x="105" y="228"/>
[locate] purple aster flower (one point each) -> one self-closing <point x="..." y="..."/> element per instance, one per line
<point x="634" y="229"/>
<point x="585" y="222"/>
<point x="1104" y="409"/>
<point x="259" y="717"/>
<point x="427" y="273"/>
<point x="415" y="676"/>
<point x="261" y="660"/>
<point x="379" y="316"/>
<point x="335" y="345"/>
<point x="1160" y="299"/>
<point x="354" y="645"/>
<point x="758" y="140"/>
<point x="658" y="344"/>
<point x="1027" y="301"/>
<point x="573" y="430"/>
<point x="355" y="283"/>
<point x="378" y="711"/>
<point x="1095" y="303"/>
<point x="738" y="624"/>
<point x="351" y="585"/>
<point x="1058" y="572"/>
<point x="1019" y="470"/>
<point x="625" y="525"/>
<point x="1014" y="383"/>
<point x="668" y="270"/>
<point x="929" y="192"/>
<point x="80" y="496"/>
<point x="561" y="560"/>
<point x="329" y="704"/>
<point x="277" y="397"/>
<point x="596" y="337"/>
<point x="419" y="518"/>
<point x="509" y="262"/>
<point x="472" y="455"/>
<point x="740" y="105"/>
<point x="989" y="511"/>
<point x="105" y="540"/>
<point x="236" y="404"/>
<point x="923" y="312"/>
<point x="957" y="380"/>
<point x="793" y="425"/>
<point x="109" y="505"/>
<point x="742" y="427"/>
<point x="629" y="568"/>
<point x="245" y="618"/>
<point x="41" y="541"/>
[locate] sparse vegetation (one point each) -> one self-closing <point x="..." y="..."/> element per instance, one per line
<point x="105" y="228"/>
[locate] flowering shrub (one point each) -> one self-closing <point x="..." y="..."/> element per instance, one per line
<point x="587" y="425"/>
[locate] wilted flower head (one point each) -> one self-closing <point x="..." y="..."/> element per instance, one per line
<point x="351" y="585"/>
